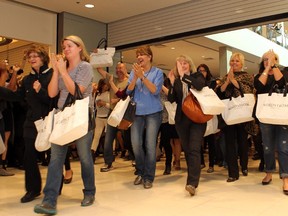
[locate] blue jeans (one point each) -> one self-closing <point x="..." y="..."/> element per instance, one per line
<point x="55" y="169"/>
<point x="108" y="144"/>
<point x="275" y="137"/>
<point x="145" y="153"/>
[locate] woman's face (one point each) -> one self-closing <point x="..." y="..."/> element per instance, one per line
<point x="203" y="71"/>
<point x="236" y="64"/>
<point x="35" y="60"/>
<point x="185" y="66"/>
<point x="70" y="50"/>
<point x="143" y="59"/>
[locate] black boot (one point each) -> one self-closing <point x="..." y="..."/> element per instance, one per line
<point x="167" y="170"/>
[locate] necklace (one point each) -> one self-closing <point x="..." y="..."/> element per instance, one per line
<point x="145" y="76"/>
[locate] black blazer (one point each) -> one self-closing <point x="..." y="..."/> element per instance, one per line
<point x="175" y="94"/>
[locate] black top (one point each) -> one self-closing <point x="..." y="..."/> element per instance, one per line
<point x="39" y="104"/>
<point x="175" y="93"/>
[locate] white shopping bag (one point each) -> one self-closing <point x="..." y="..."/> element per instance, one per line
<point x="44" y="128"/>
<point x="103" y="57"/>
<point x="272" y="109"/>
<point x="209" y="101"/>
<point x="238" y="110"/>
<point x="117" y="113"/>
<point x="71" y="123"/>
<point x="212" y="126"/>
<point x="171" y="109"/>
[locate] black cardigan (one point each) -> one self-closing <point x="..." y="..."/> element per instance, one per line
<point x="39" y="104"/>
<point x="175" y="93"/>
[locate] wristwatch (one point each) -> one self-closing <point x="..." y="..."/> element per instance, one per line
<point x="274" y="66"/>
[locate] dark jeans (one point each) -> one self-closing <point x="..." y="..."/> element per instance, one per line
<point x="191" y="136"/>
<point x="165" y="142"/>
<point x="108" y="144"/>
<point x="236" y="144"/>
<point x="32" y="173"/>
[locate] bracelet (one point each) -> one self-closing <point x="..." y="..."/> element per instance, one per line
<point x="274" y="66"/>
<point x="265" y="74"/>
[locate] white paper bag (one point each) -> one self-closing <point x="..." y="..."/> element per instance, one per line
<point x="171" y="109"/>
<point x="209" y="101"/>
<point x="44" y="128"/>
<point x="71" y="123"/>
<point x="2" y="145"/>
<point x="118" y="112"/>
<point x="103" y="57"/>
<point x="272" y="109"/>
<point x="238" y="110"/>
<point x="212" y="126"/>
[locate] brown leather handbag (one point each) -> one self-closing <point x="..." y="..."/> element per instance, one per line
<point x="193" y="111"/>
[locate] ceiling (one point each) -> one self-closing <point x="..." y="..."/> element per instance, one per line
<point x="118" y="9"/>
<point x="200" y="49"/>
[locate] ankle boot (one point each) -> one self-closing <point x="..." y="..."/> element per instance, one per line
<point x="177" y="165"/>
<point x="167" y="170"/>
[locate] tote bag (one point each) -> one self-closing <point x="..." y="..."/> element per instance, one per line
<point x="272" y="108"/>
<point x="212" y="126"/>
<point x="71" y="123"/>
<point x="129" y="116"/>
<point x="209" y="101"/>
<point x="103" y="57"/>
<point x="118" y="112"/>
<point x="171" y="109"/>
<point x="44" y="128"/>
<point x="192" y="109"/>
<point x="238" y="110"/>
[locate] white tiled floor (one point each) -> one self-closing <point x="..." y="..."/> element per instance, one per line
<point x="117" y="196"/>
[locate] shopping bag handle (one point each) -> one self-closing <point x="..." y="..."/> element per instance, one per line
<point x="101" y="42"/>
<point x="72" y="98"/>
<point x="275" y="86"/>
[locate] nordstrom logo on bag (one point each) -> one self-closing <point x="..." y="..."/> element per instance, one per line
<point x="238" y="106"/>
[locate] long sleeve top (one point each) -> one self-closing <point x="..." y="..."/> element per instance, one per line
<point x="175" y="94"/>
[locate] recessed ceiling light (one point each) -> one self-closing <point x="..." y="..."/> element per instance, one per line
<point x="89" y="6"/>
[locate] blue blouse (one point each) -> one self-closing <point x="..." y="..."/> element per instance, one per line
<point x="147" y="103"/>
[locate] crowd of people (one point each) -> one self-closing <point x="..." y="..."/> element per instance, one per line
<point x="45" y="88"/>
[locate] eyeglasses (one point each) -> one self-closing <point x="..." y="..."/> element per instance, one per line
<point x="33" y="56"/>
<point x="202" y="71"/>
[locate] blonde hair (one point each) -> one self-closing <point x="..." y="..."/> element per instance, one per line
<point x="240" y="56"/>
<point x="276" y="56"/>
<point x="188" y="60"/>
<point x="79" y="42"/>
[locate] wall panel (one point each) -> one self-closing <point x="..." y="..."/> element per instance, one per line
<point x="190" y="16"/>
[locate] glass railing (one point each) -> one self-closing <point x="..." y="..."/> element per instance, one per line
<point x="273" y="32"/>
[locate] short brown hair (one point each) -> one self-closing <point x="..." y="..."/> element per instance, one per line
<point x="41" y="51"/>
<point x="145" y="50"/>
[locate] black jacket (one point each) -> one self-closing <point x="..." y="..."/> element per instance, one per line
<point x="39" y="104"/>
<point x="175" y="94"/>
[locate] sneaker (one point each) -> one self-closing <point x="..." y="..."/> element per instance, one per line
<point x="138" y="180"/>
<point x="147" y="184"/>
<point x="191" y="189"/>
<point x="4" y="172"/>
<point x="45" y="209"/>
<point x="88" y="200"/>
<point x="210" y="170"/>
<point x="106" y="168"/>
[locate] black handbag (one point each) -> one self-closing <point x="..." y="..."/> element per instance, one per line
<point x="129" y="115"/>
